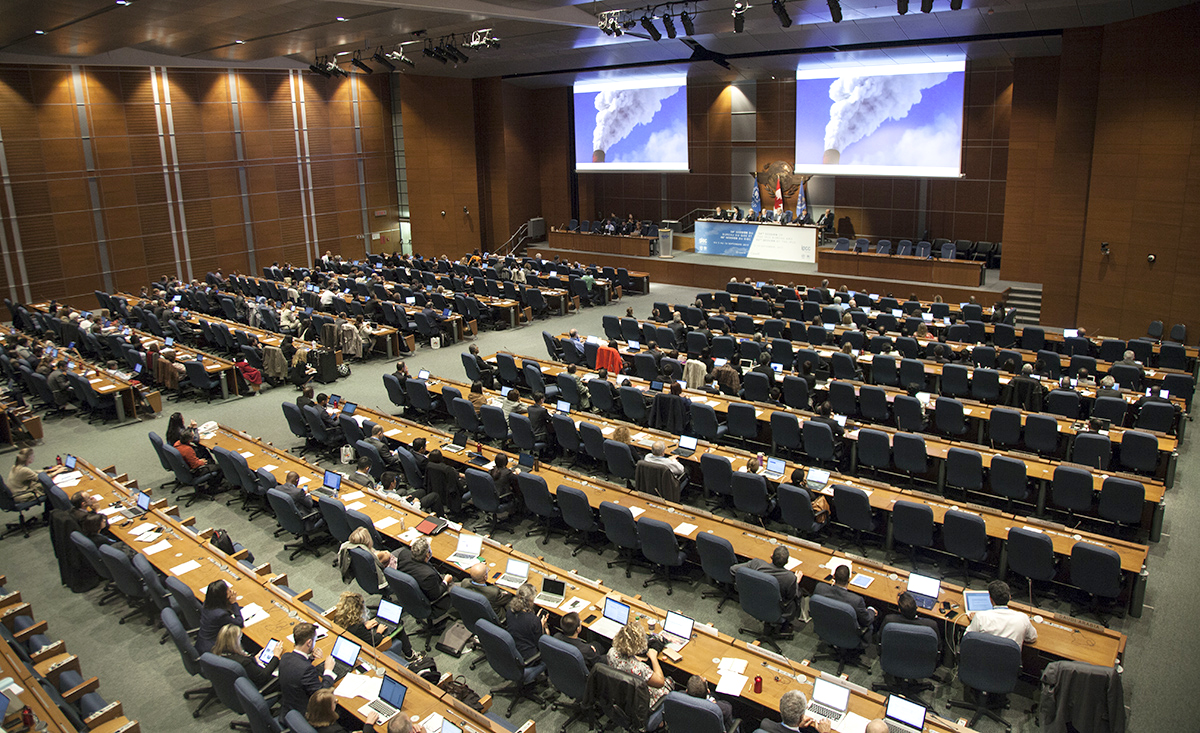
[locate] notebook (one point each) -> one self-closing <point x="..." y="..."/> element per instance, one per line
<point x="142" y="506"/>
<point x="904" y="716"/>
<point x="924" y="589"/>
<point x="687" y="446"/>
<point x="345" y="656"/>
<point x="829" y="700"/>
<point x="389" y="702"/>
<point x="616" y="615"/>
<point x="677" y="628"/>
<point x="552" y="594"/>
<point x="516" y="572"/>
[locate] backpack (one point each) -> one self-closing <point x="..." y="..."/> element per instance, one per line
<point x="222" y="541"/>
<point x="459" y="688"/>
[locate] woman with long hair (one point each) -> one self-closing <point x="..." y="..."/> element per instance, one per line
<point x="220" y="609"/>
<point x="229" y="645"/>
<point x="631" y="653"/>
<point x="322" y="713"/>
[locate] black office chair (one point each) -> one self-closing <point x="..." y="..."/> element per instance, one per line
<point x="990" y="665"/>
<point x="621" y="530"/>
<point x="751" y="497"/>
<point x="785" y="432"/>
<point x="506" y="661"/>
<point x="909" y="454"/>
<point x="306" y="528"/>
<point x="912" y="525"/>
<point x="1009" y="478"/>
<point x="578" y="514"/>
<point x="760" y="597"/>
<point x="1031" y="554"/>
<point x="852" y="509"/>
<point x="796" y="510"/>
<point x="471" y="606"/>
<point x="1094" y="450"/>
<point x="1121" y="501"/>
<point x="620" y="461"/>
<point x="487" y="499"/>
<point x="836" y="624"/>
<point x="190" y="658"/>
<point x="1139" y="451"/>
<point x="414" y="602"/>
<point x="568" y="673"/>
<point x="661" y="548"/>
<point x="907" y="654"/>
<point x="716" y="558"/>
<point x="965" y="536"/>
<point x="538" y="500"/>
<point x="1096" y="571"/>
<point x="682" y="712"/>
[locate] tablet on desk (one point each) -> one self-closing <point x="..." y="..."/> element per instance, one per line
<point x="977" y="600"/>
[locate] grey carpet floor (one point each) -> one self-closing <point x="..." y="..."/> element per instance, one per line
<point x="1162" y="664"/>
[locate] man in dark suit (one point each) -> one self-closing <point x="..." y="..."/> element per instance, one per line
<point x="907" y="615"/>
<point x="299" y="678"/>
<point x="375" y="440"/>
<point x="764" y="366"/>
<point x="792" y="706"/>
<point x="420" y="457"/>
<point x="476" y="580"/>
<point x="1025" y="391"/>
<point x="825" y="415"/>
<point x="322" y="406"/>
<point x="840" y="592"/>
<point x="291" y="487"/>
<point x="569" y="632"/>
<point x="487" y="374"/>
<point x="789" y="582"/>
<point x="826" y="222"/>
<point x="539" y="417"/>
<point x="415" y="561"/>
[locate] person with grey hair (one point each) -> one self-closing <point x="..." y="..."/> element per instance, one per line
<point x="658" y="455"/>
<point x="415" y="561"/>
<point x="792" y="706"/>
<point x="525" y="622"/>
<point x="787" y="580"/>
<point x="1129" y="359"/>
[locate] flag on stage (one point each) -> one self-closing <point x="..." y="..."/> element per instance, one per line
<point x="801" y="204"/>
<point x="756" y="199"/>
<point x="778" y="201"/>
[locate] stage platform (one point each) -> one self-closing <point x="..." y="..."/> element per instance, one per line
<point x="711" y="272"/>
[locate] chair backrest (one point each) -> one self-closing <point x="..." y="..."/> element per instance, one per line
<point x="1030" y="554"/>
<point x="716" y="557"/>
<point x="659" y="544"/>
<point x="1121" y="500"/>
<point x="835" y="622"/>
<point x="121" y="568"/>
<point x="257" y="711"/>
<point x="619" y="525"/>
<point x="682" y="712"/>
<point x="759" y="595"/>
<point x="565" y="666"/>
<point x="620" y="459"/>
<point x="183" y="642"/>
<point x="471" y="606"/>
<point x="223" y="674"/>
<point x="500" y="650"/>
<point x="405" y="588"/>
<point x="965" y="535"/>
<point x="989" y="663"/>
<point x="908" y="651"/>
<point x="89" y="551"/>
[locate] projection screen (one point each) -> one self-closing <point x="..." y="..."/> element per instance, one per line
<point x="886" y="120"/>
<point x="631" y="125"/>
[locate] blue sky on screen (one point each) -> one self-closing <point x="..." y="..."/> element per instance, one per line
<point x="662" y="140"/>
<point x="929" y="135"/>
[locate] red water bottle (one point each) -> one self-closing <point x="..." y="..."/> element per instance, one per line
<point x="27" y="718"/>
<point x="58" y="460"/>
<point x="758" y="683"/>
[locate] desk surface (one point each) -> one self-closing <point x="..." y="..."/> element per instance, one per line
<point x="897" y="267"/>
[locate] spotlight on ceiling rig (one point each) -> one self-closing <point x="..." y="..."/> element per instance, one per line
<point x="738" y="13"/>
<point x="648" y="24"/>
<point x="785" y="20"/>
<point x="688" y="27"/>
<point x="835" y="11"/>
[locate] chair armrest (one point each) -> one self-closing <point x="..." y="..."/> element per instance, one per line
<point x="535" y="659"/>
<point x="38" y="628"/>
<point x="311" y="515"/>
<point x="89" y="685"/>
<point x="736" y="726"/>
<point x="109" y="712"/>
<point x="56" y="666"/>
<point x="49" y="651"/>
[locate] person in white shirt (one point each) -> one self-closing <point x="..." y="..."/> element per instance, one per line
<point x="326" y="297"/>
<point x="658" y="456"/>
<point x="1001" y="620"/>
<point x="289" y="321"/>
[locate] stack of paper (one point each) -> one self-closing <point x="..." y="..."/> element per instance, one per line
<point x="157" y="547"/>
<point x="731" y="680"/>
<point x="252" y="614"/>
<point x="359" y="685"/>
<point x="386" y="522"/>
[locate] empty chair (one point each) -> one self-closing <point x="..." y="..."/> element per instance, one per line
<point x="413" y="600"/>
<point x="1139" y="451"/>
<point x="1112" y="409"/>
<point x="1065" y="402"/>
<point x="1157" y="416"/>
<point x="621" y="530"/>
<point x="909" y="413"/>
<point x="1094" y="450"/>
<point x="619" y="457"/>
<point x="912" y="525"/>
<point x="1121" y="500"/>
<point x="716" y="559"/>
<point x="836" y="624"/>
<point x="964" y="469"/>
<point x="908" y="451"/>
<point x="965" y="536"/>
<point x="487" y="499"/>
<point x="750" y="495"/>
<point x="1071" y="490"/>
<point x="1041" y="434"/>
<point x="852" y="508"/>
<point x="873" y="404"/>
<point x="661" y="548"/>
<point x="567" y="671"/>
<point x="990" y="665"/>
<point x="742" y="421"/>
<point x="1031" y="554"/>
<point x="955" y="381"/>
<point x="948" y="417"/>
<point x="1009" y="478"/>
<point x="907" y="652"/>
<point x="1096" y="571"/>
<point x="718" y="476"/>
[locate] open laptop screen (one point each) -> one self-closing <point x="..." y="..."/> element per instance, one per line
<point x="679" y="625"/>
<point x="143" y="501"/>
<point x="776" y="466"/>
<point x="687" y="442"/>
<point x="905" y="711"/>
<point x="346" y="651"/>
<point x="616" y="611"/>
<point x="831" y="695"/>
<point x="333" y="480"/>
<point x="392" y="692"/>
<point x="924" y="585"/>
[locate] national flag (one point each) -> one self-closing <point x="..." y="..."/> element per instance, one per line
<point x="801" y="204"/>
<point x="778" y="200"/>
<point x="756" y="199"/>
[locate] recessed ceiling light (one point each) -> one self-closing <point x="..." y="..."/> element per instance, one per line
<point x="40" y="33"/>
<point x="341" y="19"/>
<point x="342" y="53"/>
<point x="239" y="41"/>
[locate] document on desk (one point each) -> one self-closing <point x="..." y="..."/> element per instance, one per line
<point x="792" y="563"/>
<point x="852" y="723"/>
<point x="109" y="511"/>
<point x="731" y="665"/>
<point x="836" y="562"/>
<point x="63" y="478"/>
<point x="245" y="453"/>
<point x="304" y="480"/>
<point x="386" y="522"/>
<point x="252" y="614"/>
<point x="359" y="685"/>
<point x="609" y="430"/>
<point x="150" y="536"/>
<point x="356" y="506"/>
<point x="142" y="529"/>
<point x="409" y="535"/>
<point x="862" y="581"/>
<point x="392" y="433"/>
<point x="685" y="529"/>
<point x="731" y="683"/>
<point x="186" y="567"/>
<point x="637" y="511"/>
<point x="270" y="467"/>
<point x="157" y="547"/>
<point x="353" y="495"/>
<point x="575" y="603"/>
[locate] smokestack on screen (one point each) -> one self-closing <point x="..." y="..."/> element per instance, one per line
<point x="862" y="104"/>
<point x="618" y="112"/>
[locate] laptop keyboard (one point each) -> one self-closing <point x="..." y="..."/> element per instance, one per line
<point x="513" y="581"/>
<point x="894" y="728"/>
<point x="382" y="707"/>
<point x="819" y="709"/>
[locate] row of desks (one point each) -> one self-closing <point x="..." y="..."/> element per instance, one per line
<point x="1038" y="468"/>
<point x="883" y="498"/>
<point x="49" y="663"/>
<point x="896" y="267"/>
<point x="187" y="555"/>
<point x="700" y="656"/>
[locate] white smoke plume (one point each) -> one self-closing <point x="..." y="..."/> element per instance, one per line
<point x="618" y="112"/>
<point x="862" y="104"/>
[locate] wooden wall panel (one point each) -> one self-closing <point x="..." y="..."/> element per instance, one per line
<point x="491" y="160"/>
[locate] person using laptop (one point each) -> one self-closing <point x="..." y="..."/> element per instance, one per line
<point x="698" y="687"/>
<point x="476" y="580"/>
<point x="792" y="707"/>
<point x="350" y="613"/>
<point x="512" y="403"/>
<point x="415" y="561"/>
<point x="907" y="606"/>
<point x="525" y="622"/>
<point x="658" y="456"/>
<point x="631" y="653"/>
<point x="1001" y="620"/>
<point x="322" y="713"/>
<point x="840" y="591"/>
<point x="787" y="580"/>
<point x="299" y="678"/>
<point x="568" y="631"/>
<point x="825" y="415"/>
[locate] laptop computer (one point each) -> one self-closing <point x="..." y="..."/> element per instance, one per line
<point x="977" y="600"/>
<point x="525" y="461"/>
<point x="410" y="300"/>
<point x="829" y="700"/>
<point x="616" y="615"/>
<point x="389" y="614"/>
<point x="468" y="548"/>
<point x="423" y="374"/>
<point x="1070" y="333"/>
<point x="677" y="629"/>
<point x="448" y="727"/>
<point x="633" y="345"/>
<point x="345" y="656"/>
<point x="389" y="702"/>
<point x="331" y="483"/>
<point x="775" y="468"/>
<point x="656" y="386"/>
<point x="816" y="478"/>
<point x="686" y="447"/>
<point x="564" y="406"/>
<point x="142" y="506"/>
<point x="70" y="462"/>
<point x="349" y="408"/>
<point x="516" y="572"/>
<point x="924" y="589"/>
<point x="904" y="716"/>
<point x="552" y="594"/>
